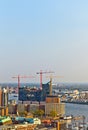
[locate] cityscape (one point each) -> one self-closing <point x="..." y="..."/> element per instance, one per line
<point x="43" y="65"/>
<point x="43" y="106"/>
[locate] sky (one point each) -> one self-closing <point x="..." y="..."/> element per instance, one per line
<point x="47" y="35"/>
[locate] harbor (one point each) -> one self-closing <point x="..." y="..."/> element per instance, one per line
<point x="77" y="110"/>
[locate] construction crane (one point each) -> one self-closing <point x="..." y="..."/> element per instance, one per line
<point x="51" y="77"/>
<point x="19" y="77"/>
<point x="43" y="72"/>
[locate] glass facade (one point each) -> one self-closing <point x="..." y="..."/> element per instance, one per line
<point x="31" y="94"/>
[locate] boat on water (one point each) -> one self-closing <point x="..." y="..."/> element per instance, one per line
<point x="67" y="117"/>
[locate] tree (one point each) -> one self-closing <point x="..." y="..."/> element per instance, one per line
<point x="35" y="113"/>
<point x="23" y="113"/>
<point x="53" y="113"/>
<point x="39" y="112"/>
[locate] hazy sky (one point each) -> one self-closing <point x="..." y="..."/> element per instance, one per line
<point x="44" y="35"/>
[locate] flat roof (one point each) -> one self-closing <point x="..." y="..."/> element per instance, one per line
<point x="52" y="96"/>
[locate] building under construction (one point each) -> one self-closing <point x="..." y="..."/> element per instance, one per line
<point x="34" y="93"/>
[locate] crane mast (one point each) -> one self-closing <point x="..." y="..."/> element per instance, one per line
<point x="43" y="72"/>
<point x="19" y="77"/>
<point x="50" y="85"/>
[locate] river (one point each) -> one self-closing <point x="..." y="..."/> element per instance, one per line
<point x="77" y="110"/>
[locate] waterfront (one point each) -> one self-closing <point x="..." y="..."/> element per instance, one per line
<point x="77" y="110"/>
<point x="71" y="109"/>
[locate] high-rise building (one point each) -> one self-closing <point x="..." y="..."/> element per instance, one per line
<point x="3" y="102"/>
<point x="0" y="97"/>
<point x="4" y="97"/>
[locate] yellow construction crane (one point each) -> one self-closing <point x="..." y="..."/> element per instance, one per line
<point x="51" y="77"/>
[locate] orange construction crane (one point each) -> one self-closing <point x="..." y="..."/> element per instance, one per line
<point x="19" y="77"/>
<point x="43" y="72"/>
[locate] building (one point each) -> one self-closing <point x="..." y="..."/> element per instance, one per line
<point x="4" y="97"/>
<point x="3" y="102"/>
<point x="12" y="108"/>
<point x="34" y="107"/>
<point x="53" y="104"/>
<point x="21" y="108"/>
<point x="45" y="91"/>
<point x="0" y="97"/>
<point x="4" y="111"/>
<point x="34" y="94"/>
